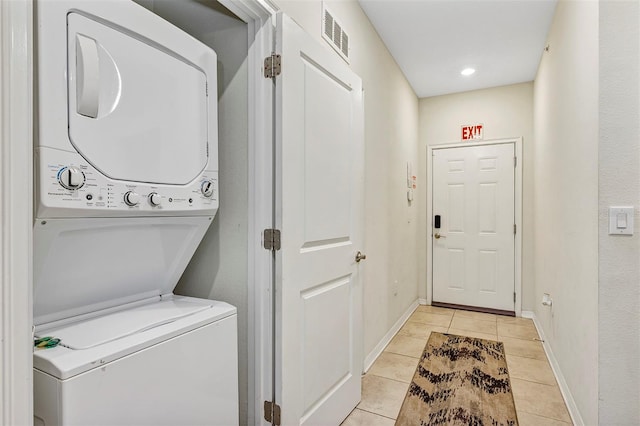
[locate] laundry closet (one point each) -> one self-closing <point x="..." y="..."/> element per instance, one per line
<point x="128" y="196"/>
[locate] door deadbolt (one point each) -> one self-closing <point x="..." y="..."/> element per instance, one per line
<point x="360" y="256"/>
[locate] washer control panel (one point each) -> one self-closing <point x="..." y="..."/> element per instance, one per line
<point x="70" y="186"/>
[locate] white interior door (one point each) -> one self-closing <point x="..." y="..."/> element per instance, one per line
<point x="474" y="248"/>
<point x="320" y="151"/>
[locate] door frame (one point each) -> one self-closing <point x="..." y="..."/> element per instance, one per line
<point x="260" y="18"/>
<point x="16" y="206"/>
<point x="517" y="142"/>
<point x="16" y="211"/>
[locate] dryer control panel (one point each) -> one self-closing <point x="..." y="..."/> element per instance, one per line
<point x="71" y="187"/>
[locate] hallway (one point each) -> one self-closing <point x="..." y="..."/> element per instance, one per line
<point x="535" y="391"/>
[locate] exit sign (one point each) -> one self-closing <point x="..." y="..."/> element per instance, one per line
<point x="472" y="132"/>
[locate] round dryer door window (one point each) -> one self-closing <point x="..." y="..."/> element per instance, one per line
<point x="137" y="111"/>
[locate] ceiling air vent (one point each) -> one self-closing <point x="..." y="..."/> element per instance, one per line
<point x="334" y="34"/>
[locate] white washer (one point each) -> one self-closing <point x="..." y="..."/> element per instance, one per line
<point x="166" y="362"/>
<point x="127" y="177"/>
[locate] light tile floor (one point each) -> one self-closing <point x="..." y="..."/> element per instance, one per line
<point x="535" y="391"/>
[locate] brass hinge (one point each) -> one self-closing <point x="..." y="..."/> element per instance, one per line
<point x="272" y="66"/>
<point x="272" y="239"/>
<point x="272" y="413"/>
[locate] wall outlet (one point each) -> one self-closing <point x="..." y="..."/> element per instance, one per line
<point x="547" y="300"/>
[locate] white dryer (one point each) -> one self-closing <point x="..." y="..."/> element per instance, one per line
<point x="126" y="187"/>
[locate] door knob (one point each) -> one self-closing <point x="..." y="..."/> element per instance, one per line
<point x="438" y="236"/>
<point x="360" y="256"/>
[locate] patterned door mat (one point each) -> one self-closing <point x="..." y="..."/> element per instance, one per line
<point x="460" y="381"/>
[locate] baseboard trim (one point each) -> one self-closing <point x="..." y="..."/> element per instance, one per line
<point x="562" y="383"/>
<point x="375" y="353"/>
<point x="422" y="301"/>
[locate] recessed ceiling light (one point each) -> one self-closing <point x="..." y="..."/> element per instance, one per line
<point x="467" y="71"/>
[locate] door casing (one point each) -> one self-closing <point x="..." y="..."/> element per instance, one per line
<point x="517" y="142"/>
<point x="16" y="393"/>
<point x="16" y="211"/>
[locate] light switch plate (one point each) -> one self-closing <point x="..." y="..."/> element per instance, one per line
<point x="621" y="220"/>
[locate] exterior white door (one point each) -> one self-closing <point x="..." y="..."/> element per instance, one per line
<point x="319" y="195"/>
<point x="474" y="248"/>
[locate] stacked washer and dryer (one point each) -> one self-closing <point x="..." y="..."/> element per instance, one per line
<point x="126" y="187"/>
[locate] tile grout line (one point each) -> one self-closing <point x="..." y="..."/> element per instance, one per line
<point x="388" y="378"/>
<point x="519" y="338"/>
<point x="546" y="417"/>
<point x="397" y="353"/>
<point x="527" y="357"/>
<point x="537" y="383"/>
<point x="376" y="414"/>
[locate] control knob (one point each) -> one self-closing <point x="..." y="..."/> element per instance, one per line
<point x="71" y="177"/>
<point x="208" y="188"/>
<point x="154" y="199"/>
<point x="131" y="198"/>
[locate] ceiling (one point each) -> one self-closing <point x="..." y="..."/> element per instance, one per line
<point x="434" y="40"/>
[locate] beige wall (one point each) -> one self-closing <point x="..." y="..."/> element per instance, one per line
<point x="619" y="185"/>
<point x="391" y="136"/>
<point x="566" y="198"/>
<point x="505" y="112"/>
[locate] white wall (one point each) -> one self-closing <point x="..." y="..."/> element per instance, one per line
<point x="566" y="198"/>
<point x="505" y="111"/>
<point x="219" y="267"/>
<point x="391" y="128"/>
<point x="619" y="175"/>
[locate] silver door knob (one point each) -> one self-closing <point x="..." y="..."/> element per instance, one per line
<point x="360" y="256"/>
<point x="437" y="236"/>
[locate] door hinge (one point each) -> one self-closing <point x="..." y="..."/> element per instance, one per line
<point x="514" y="297"/>
<point x="515" y="161"/>
<point x="515" y="227"/>
<point x="272" y="413"/>
<point x="272" y="239"/>
<point x="272" y="66"/>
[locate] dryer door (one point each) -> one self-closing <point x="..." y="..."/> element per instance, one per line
<point x="137" y="111"/>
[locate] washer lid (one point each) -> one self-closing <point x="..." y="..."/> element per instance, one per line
<point x="137" y="111"/>
<point x="104" y="329"/>
<point x="63" y="362"/>
<point x="83" y="266"/>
